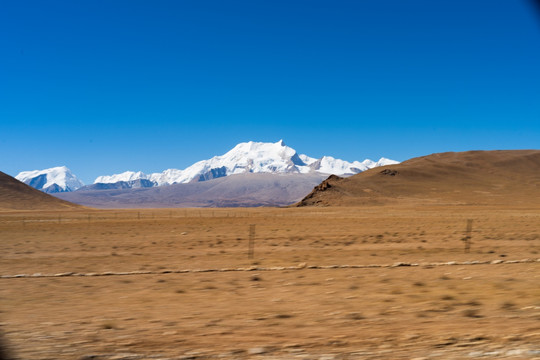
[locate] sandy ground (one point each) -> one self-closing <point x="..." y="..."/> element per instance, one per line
<point x="451" y="311"/>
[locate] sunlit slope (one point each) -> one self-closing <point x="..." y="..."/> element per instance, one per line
<point x="474" y="177"/>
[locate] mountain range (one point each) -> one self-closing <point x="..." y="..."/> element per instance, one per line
<point x="476" y="178"/>
<point x="247" y="157"/>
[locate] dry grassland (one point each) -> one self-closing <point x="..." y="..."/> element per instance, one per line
<point x="452" y="311"/>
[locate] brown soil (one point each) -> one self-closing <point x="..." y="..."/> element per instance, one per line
<point x="450" y="311"/>
<point x="472" y="178"/>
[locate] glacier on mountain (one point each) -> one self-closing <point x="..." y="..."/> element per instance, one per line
<point x="125" y="176"/>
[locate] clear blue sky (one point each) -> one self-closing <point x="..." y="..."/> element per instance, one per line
<point x="106" y="86"/>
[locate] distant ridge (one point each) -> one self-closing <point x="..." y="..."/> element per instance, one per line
<point x="245" y="190"/>
<point x="15" y="195"/>
<point x="472" y="177"/>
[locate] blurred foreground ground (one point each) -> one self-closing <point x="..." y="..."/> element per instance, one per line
<point x="448" y="312"/>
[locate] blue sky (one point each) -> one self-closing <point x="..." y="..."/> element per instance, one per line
<point x="108" y="86"/>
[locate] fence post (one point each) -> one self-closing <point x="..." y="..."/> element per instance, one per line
<point x="251" y="245"/>
<point x="467" y="238"/>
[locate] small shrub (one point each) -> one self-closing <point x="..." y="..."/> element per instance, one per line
<point x="472" y="313"/>
<point x="354" y="316"/>
<point x="508" y="305"/>
<point x="283" y="316"/>
<point x="108" y="326"/>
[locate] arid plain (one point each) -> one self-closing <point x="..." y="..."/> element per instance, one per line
<point x="372" y="282"/>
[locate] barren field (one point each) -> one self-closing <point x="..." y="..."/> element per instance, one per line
<point x="323" y="283"/>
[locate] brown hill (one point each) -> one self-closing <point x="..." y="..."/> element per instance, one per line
<point x="472" y="177"/>
<point x="14" y="195"/>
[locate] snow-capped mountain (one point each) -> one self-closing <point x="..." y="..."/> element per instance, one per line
<point x="250" y="157"/>
<point x="126" y="176"/>
<point x="53" y="180"/>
